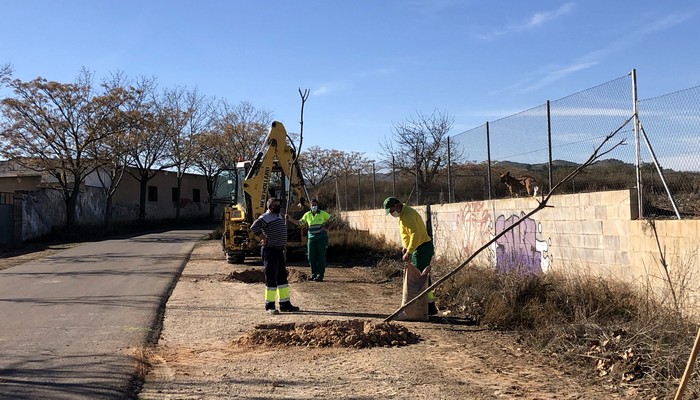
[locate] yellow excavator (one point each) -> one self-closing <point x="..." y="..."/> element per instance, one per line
<point x="274" y="173"/>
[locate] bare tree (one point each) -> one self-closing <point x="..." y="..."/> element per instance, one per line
<point x="147" y="141"/>
<point x="319" y="165"/>
<point x="244" y="129"/>
<point x="186" y="114"/>
<point x="112" y="152"/>
<point x="235" y="133"/>
<point x="418" y="146"/>
<point x="5" y="73"/>
<point x="346" y="164"/>
<point x="51" y="126"/>
<point x="209" y="161"/>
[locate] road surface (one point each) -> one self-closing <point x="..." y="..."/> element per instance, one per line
<point x="73" y="324"/>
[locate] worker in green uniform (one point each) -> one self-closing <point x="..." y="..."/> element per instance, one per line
<point x="318" y="222"/>
<point x="417" y="244"/>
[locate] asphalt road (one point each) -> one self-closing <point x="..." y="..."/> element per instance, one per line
<point x="71" y="323"/>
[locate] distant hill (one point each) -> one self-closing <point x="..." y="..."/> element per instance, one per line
<point x="544" y="167"/>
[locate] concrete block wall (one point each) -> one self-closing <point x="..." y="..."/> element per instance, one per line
<point x="677" y="241"/>
<point x="587" y="233"/>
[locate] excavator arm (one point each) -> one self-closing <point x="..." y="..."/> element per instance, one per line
<point x="278" y="156"/>
<point x="273" y="173"/>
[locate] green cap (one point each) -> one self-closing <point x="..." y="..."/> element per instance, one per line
<point x="388" y="202"/>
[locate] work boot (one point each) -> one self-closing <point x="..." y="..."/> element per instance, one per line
<point x="286" y="306"/>
<point x="432" y="309"/>
<point x="270" y="309"/>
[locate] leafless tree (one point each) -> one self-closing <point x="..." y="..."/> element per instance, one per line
<point x="5" y="73"/>
<point x="318" y="165"/>
<point x="209" y="162"/>
<point x="244" y="129"/>
<point x="347" y="164"/>
<point x="112" y="152"/>
<point x="185" y="114"/>
<point x="418" y="146"/>
<point x="51" y="126"/>
<point x="147" y="138"/>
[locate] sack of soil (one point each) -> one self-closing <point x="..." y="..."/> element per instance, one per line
<point x="413" y="284"/>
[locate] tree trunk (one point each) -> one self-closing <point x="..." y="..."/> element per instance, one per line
<point x="71" y="205"/>
<point x="210" y="192"/>
<point x="108" y="212"/>
<point x="142" y="198"/>
<point x="178" y="197"/>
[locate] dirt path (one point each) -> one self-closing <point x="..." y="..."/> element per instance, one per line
<point x="200" y="354"/>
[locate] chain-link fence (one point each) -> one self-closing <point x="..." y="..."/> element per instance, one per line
<point x="670" y="139"/>
<point x="547" y="142"/>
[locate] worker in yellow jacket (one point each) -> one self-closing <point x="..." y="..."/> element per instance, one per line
<point x="318" y="222"/>
<point x="417" y="245"/>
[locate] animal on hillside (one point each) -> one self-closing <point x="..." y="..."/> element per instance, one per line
<point x="517" y="185"/>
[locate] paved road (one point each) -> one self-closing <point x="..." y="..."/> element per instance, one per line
<point x="71" y="323"/>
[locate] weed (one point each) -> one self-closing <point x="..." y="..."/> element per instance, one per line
<point x="619" y="333"/>
<point x="353" y="246"/>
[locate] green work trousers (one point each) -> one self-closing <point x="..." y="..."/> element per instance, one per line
<point x="421" y="259"/>
<point x="316" y="249"/>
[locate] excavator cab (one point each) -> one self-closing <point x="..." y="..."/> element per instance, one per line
<point x="228" y="189"/>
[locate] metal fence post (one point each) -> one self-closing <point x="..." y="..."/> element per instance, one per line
<point x="393" y="176"/>
<point x="346" y="190"/>
<point x="450" y="196"/>
<point x="374" y="187"/>
<point x="488" y="159"/>
<point x="549" y="144"/>
<point x="359" y="189"/>
<point x="417" y="180"/>
<point x="637" y="144"/>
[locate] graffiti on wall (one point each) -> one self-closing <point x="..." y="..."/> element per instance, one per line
<point x="520" y="249"/>
<point x="475" y="218"/>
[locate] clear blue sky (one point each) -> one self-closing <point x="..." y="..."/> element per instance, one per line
<point x="368" y="63"/>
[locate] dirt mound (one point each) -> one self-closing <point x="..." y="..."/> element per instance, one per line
<point x="353" y="333"/>
<point x="294" y="275"/>
<point x="258" y="276"/>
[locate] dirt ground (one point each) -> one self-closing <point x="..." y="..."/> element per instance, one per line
<point x="217" y="342"/>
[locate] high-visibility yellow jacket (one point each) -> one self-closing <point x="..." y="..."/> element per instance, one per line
<point x="315" y="221"/>
<point x="413" y="230"/>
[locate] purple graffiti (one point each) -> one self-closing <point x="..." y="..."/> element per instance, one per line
<point x="516" y="250"/>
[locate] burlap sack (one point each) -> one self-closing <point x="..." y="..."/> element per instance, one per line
<point x="413" y="284"/>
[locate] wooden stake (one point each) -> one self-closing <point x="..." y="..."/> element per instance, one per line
<point x="688" y="367"/>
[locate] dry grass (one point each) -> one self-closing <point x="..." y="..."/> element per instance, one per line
<point x="614" y="331"/>
<point x="352" y="246"/>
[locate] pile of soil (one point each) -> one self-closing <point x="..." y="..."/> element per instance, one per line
<point x="353" y="333"/>
<point x="258" y="276"/>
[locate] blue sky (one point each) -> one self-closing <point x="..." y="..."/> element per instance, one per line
<point x="368" y="64"/>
